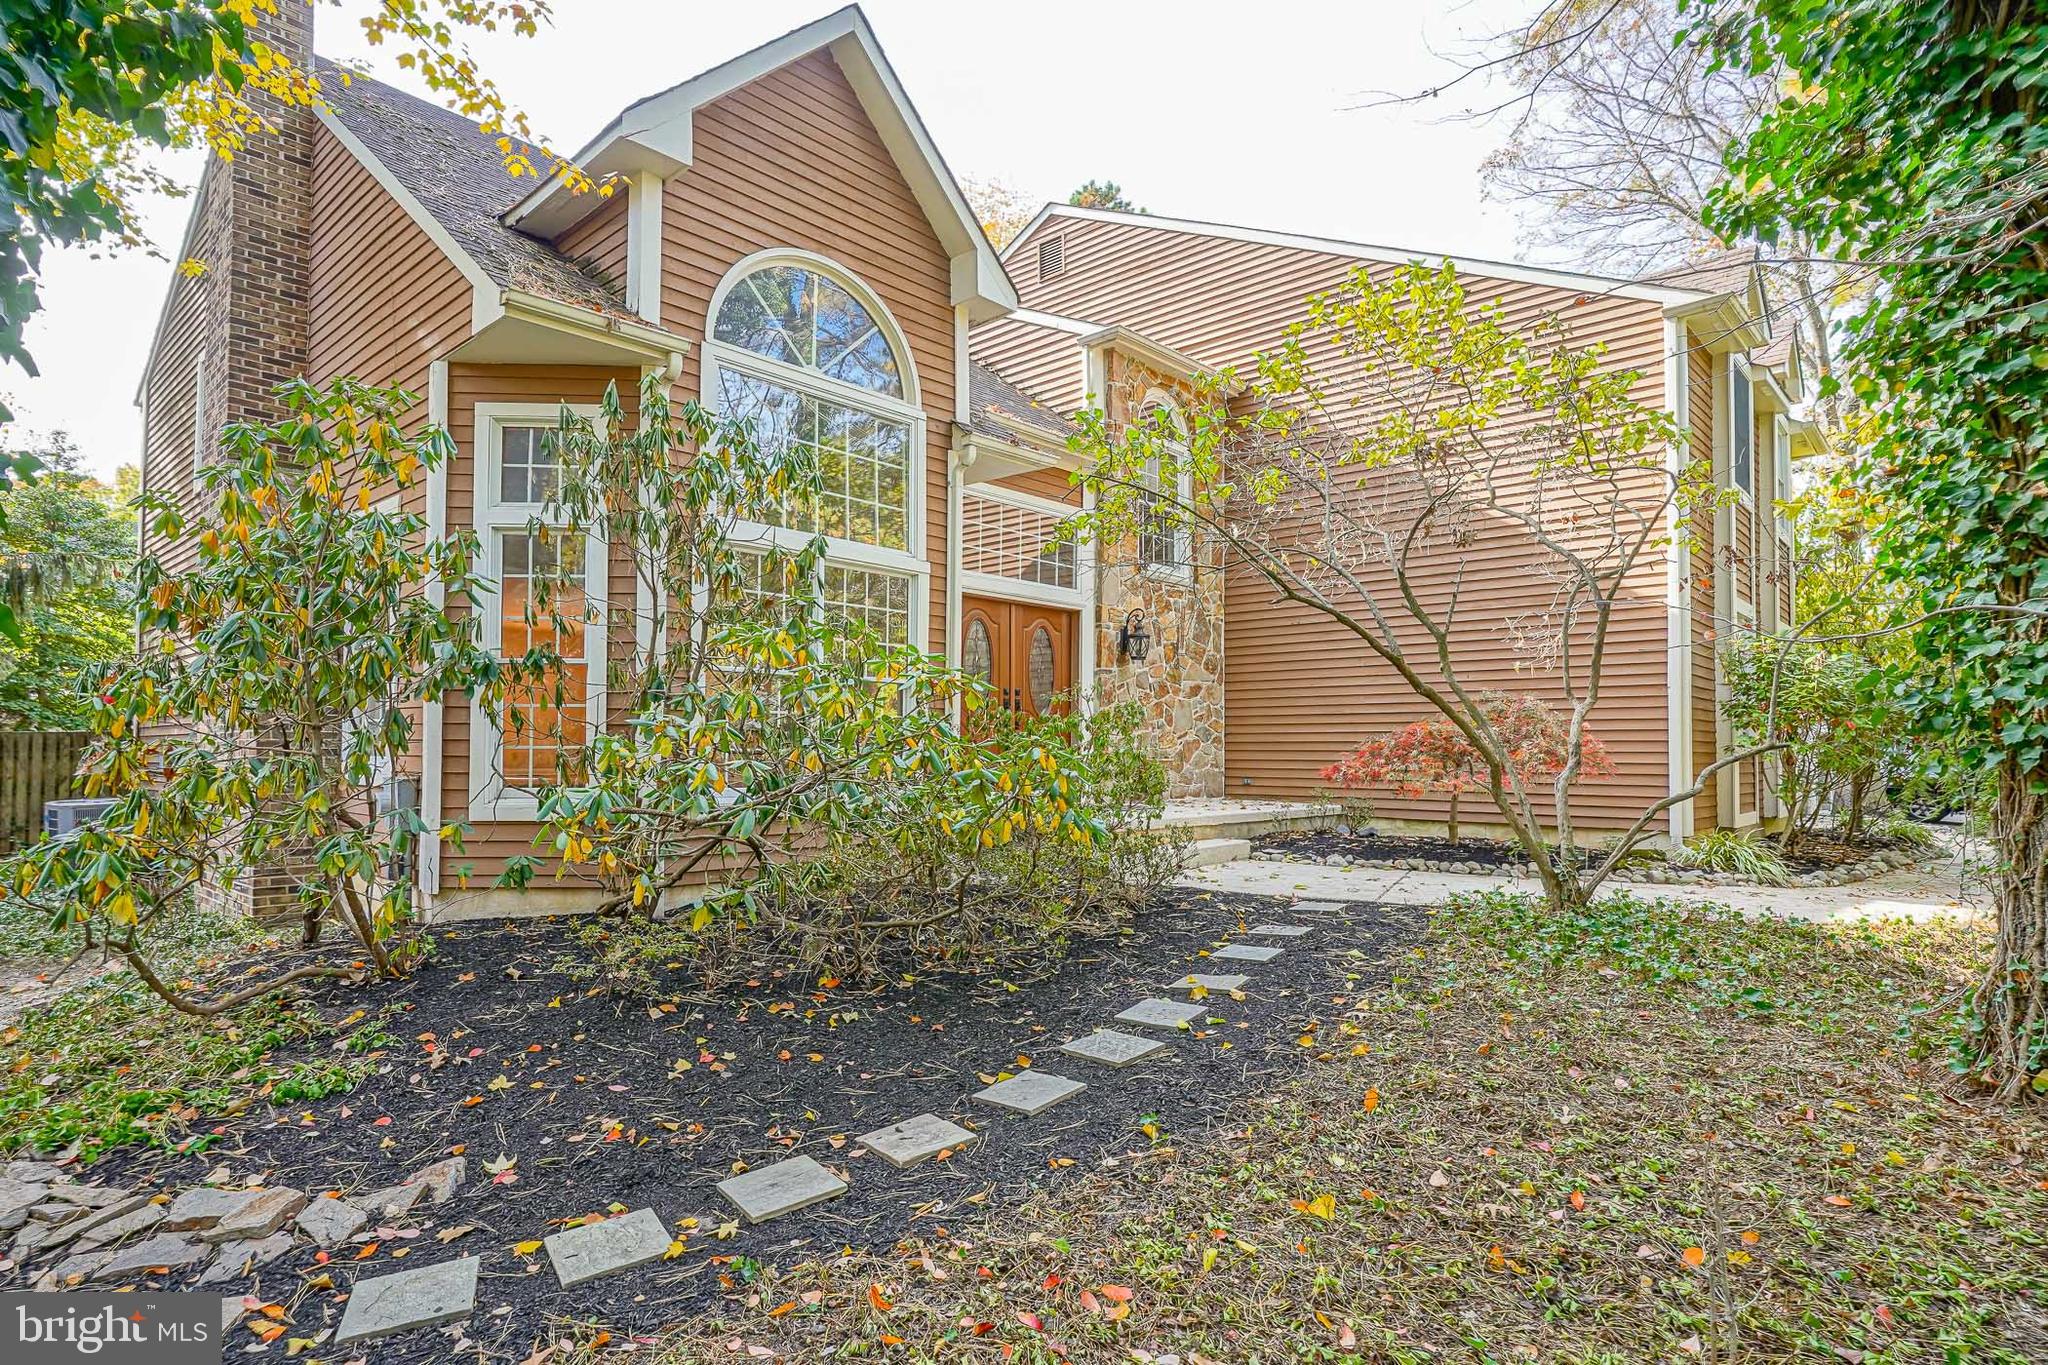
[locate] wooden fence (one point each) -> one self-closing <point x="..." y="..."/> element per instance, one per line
<point x="35" y="766"/>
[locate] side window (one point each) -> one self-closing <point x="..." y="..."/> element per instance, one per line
<point x="1163" y="541"/>
<point x="542" y="724"/>
<point x="1741" y="427"/>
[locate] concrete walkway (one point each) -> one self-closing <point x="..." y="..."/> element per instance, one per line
<point x="1918" y="894"/>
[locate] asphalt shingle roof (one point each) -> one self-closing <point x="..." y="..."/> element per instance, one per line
<point x="992" y="398"/>
<point x="1724" y="272"/>
<point x="458" y="174"/>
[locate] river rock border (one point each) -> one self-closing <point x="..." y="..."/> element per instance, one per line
<point x="1658" y="874"/>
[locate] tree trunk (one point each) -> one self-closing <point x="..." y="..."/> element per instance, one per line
<point x="1454" y="817"/>
<point x="2009" y="1012"/>
<point x="1859" y="792"/>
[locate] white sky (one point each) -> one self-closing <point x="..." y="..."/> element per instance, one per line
<point x="1233" y="113"/>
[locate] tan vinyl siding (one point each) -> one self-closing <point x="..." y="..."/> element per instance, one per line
<point x="791" y="160"/>
<point x="1044" y="362"/>
<point x="386" y="302"/>
<point x="1298" y="690"/>
<point x="490" y="844"/>
<point x="600" y="239"/>
<point x="1045" y="483"/>
<point x="1705" y="635"/>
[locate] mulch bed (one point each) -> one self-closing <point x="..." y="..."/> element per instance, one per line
<point x="596" y="1114"/>
<point x="1365" y="846"/>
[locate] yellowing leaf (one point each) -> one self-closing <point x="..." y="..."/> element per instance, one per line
<point x="1323" y="1206"/>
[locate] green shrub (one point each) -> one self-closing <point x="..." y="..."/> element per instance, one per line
<point x="1739" y="853"/>
<point x="1906" y="832"/>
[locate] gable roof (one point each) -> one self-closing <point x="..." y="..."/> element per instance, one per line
<point x="455" y="173"/>
<point x="1581" y="281"/>
<point x="656" y="134"/>
<point x="1724" y="272"/>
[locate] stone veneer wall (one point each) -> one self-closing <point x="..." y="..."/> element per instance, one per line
<point x="1180" y="683"/>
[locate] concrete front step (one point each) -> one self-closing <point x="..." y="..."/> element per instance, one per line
<point x="1211" y="852"/>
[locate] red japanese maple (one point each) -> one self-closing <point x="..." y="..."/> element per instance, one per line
<point x="1434" y="756"/>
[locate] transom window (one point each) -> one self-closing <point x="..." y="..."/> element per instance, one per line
<point x="799" y="316"/>
<point x="527" y="471"/>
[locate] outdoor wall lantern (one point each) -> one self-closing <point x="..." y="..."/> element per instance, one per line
<point x="1132" y="639"/>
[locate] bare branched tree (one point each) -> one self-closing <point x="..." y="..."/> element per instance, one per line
<point x="1398" y="436"/>
<point x="1619" y="122"/>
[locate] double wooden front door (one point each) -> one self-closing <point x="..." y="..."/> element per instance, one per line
<point x="1024" y="652"/>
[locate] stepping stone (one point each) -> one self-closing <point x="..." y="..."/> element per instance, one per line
<point x="599" y="1249"/>
<point x="1278" y="930"/>
<point x="167" y="1249"/>
<point x="1214" y="983"/>
<point x="914" y="1140"/>
<point x="1030" y="1092"/>
<point x="426" y="1297"/>
<point x="330" y="1222"/>
<point x="260" y="1217"/>
<point x="1163" y="1013"/>
<point x="237" y="1259"/>
<point x="781" y="1188"/>
<point x="203" y="1206"/>
<point x="119" y="1229"/>
<point x="1244" y="952"/>
<point x="1317" y="907"/>
<point x="1111" y="1048"/>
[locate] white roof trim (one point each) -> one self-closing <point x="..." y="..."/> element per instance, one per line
<point x="658" y="130"/>
<point x="1055" y="321"/>
<point x="1498" y="270"/>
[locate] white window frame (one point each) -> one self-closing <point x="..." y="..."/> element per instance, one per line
<point x="1741" y="435"/>
<point x="1182" y="570"/>
<point x="912" y="560"/>
<point x="489" y="797"/>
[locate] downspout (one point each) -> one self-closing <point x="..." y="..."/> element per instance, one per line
<point x="427" y="866"/>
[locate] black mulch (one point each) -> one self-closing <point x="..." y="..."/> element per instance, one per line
<point x="1366" y="846"/>
<point x="596" y="1112"/>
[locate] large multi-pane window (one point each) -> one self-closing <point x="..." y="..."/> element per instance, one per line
<point x="848" y="594"/>
<point x="819" y="374"/>
<point x="863" y="460"/>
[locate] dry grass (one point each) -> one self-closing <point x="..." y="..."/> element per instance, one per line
<point x="1645" y="1133"/>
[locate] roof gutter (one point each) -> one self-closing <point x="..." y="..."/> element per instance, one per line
<point x="655" y="342"/>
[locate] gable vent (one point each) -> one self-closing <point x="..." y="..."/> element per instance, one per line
<point x="1052" y="257"/>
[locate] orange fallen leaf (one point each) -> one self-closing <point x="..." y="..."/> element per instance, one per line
<point x="1578" y="1199"/>
<point x="1693" y="1256"/>
<point x="881" y="1304"/>
<point x="1372" y="1099"/>
<point x="369" y="1250"/>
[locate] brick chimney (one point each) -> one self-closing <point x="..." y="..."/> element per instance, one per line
<point x="254" y="236"/>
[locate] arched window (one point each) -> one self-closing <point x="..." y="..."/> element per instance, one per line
<point x="1163" y="539"/>
<point x="812" y="356"/>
